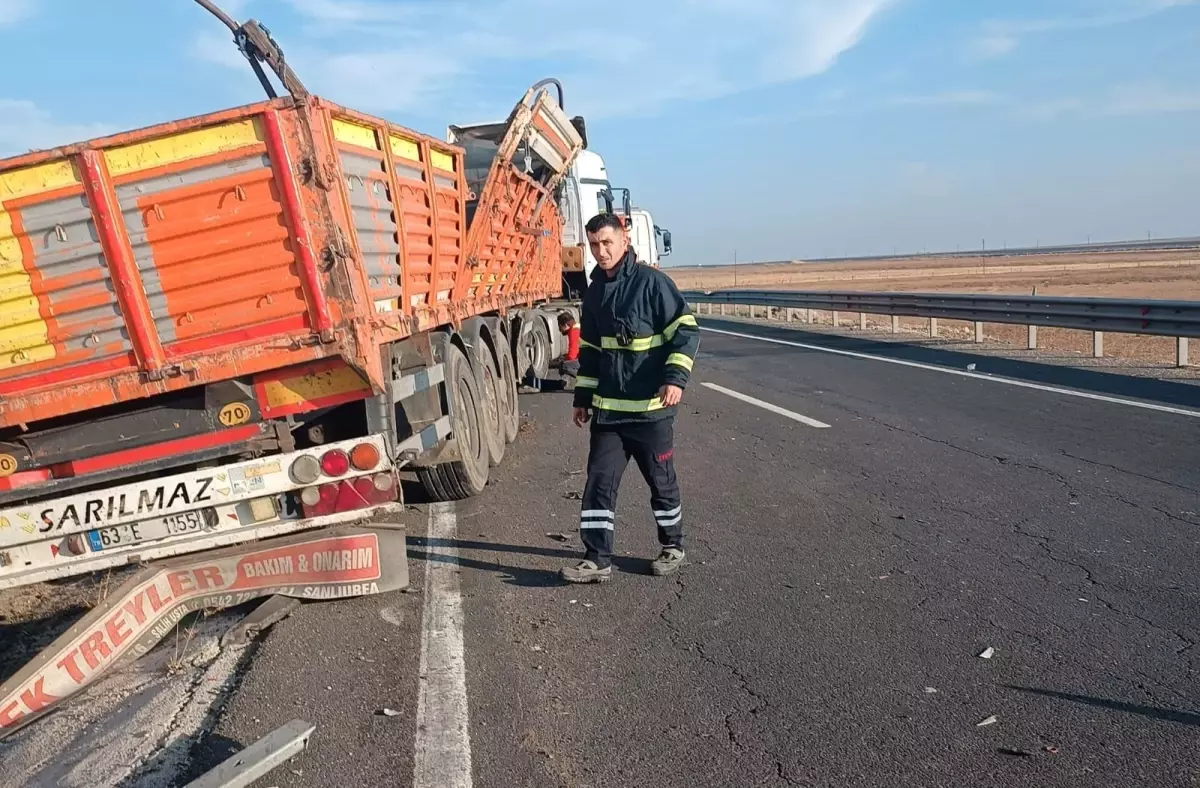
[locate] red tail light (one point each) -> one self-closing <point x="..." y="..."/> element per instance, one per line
<point x="335" y="462"/>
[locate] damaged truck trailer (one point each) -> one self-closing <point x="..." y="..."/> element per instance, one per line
<point x="239" y="326"/>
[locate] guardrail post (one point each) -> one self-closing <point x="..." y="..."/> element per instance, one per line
<point x="895" y="324"/>
<point x="808" y="316"/>
<point x="722" y="309"/>
<point x="1032" y="344"/>
<point x="836" y="319"/>
<point x="933" y="329"/>
<point x="862" y="321"/>
<point x="1181" y="352"/>
<point x="978" y="332"/>
<point x="1097" y="344"/>
<point x="789" y="314"/>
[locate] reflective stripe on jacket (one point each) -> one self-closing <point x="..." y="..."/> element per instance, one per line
<point x="637" y="334"/>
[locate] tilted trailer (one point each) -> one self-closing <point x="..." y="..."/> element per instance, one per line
<point x="222" y="331"/>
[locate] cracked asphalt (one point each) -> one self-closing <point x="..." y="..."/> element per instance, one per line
<point x="841" y="585"/>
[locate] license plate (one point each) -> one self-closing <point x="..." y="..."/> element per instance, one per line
<point x="122" y="535"/>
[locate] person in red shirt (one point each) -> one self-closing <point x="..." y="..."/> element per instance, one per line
<point x="568" y="365"/>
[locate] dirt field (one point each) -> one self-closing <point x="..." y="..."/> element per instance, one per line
<point x="1165" y="275"/>
<point x="1174" y="274"/>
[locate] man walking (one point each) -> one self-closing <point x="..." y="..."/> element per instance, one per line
<point x="638" y="342"/>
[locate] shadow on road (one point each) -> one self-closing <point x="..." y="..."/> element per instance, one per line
<point x="517" y="575"/>
<point x="927" y="352"/>
<point x="1152" y="712"/>
<point x="213" y="750"/>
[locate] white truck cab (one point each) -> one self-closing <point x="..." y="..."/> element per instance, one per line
<point x="650" y="242"/>
<point x="586" y="192"/>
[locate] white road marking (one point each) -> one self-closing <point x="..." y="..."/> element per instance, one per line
<point x="964" y="374"/>
<point x="767" y="406"/>
<point x="443" y="746"/>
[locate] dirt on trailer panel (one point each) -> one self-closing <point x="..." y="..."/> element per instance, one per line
<point x="249" y="240"/>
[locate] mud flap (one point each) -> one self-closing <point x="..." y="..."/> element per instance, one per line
<point x="337" y="563"/>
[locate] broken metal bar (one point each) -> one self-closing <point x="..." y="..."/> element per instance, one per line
<point x="260" y="758"/>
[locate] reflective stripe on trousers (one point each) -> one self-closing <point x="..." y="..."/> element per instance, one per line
<point x="651" y="445"/>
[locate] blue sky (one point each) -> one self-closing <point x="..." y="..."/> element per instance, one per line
<point x="776" y="128"/>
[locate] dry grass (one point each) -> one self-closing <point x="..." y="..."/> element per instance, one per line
<point x="1171" y="275"/>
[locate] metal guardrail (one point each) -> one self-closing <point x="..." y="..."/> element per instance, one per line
<point x="1179" y="319"/>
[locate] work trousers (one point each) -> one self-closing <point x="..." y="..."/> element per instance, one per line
<point x="651" y="444"/>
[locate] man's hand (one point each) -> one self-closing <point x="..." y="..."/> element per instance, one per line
<point x="670" y="395"/>
<point x="582" y="416"/>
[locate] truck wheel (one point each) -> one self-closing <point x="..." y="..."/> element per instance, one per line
<point x="510" y="410"/>
<point x="464" y="478"/>
<point x="492" y="405"/>
<point x="541" y="347"/>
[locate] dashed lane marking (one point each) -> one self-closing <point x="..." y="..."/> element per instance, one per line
<point x="443" y="746"/>
<point x="791" y="414"/>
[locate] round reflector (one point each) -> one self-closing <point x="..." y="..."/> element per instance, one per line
<point x="305" y="470"/>
<point x="311" y="496"/>
<point x="364" y="457"/>
<point x="383" y="481"/>
<point x="335" y="462"/>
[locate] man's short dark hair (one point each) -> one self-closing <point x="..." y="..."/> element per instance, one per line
<point x="565" y="320"/>
<point x="602" y="220"/>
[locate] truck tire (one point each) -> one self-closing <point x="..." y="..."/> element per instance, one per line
<point x="541" y="346"/>
<point x="492" y="405"/>
<point x="464" y="478"/>
<point x="510" y="408"/>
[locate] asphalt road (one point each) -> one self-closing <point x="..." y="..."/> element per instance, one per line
<point x="842" y="583"/>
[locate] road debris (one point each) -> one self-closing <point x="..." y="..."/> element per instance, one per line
<point x="588" y="604"/>
<point x="987" y="653"/>
<point x="389" y="713"/>
<point x="1015" y="753"/>
<point x="573" y="602"/>
<point x="1050" y="748"/>
<point x="930" y="691"/>
<point x="538" y="648"/>
<point x="558" y="537"/>
<point x="971" y="367"/>
<point x="992" y="720"/>
<point x="573" y="495"/>
<point x="134" y="617"/>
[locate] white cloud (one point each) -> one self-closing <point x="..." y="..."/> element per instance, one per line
<point x="1000" y="37"/>
<point x="211" y="46"/>
<point x="946" y="99"/>
<point x="1149" y="98"/>
<point x="837" y="103"/>
<point x="24" y="127"/>
<point x="408" y="53"/>
<point x="1124" y="100"/>
<point x="13" y="11"/>
<point x="993" y="45"/>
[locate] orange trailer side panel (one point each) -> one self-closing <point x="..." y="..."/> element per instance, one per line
<point x="245" y="241"/>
